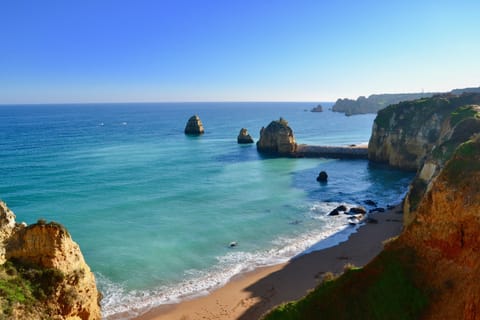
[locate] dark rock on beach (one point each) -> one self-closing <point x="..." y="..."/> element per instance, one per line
<point x="357" y="210"/>
<point x="334" y="212"/>
<point x="342" y="208"/>
<point x="376" y="210"/>
<point x="244" y="137"/>
<point x="194" y="126"/>
<point x="370" y="203"/>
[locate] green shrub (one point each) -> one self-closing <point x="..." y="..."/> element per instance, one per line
<point x="386" y="289"/>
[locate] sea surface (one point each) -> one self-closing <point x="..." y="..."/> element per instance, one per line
<point x="154" y="210"/>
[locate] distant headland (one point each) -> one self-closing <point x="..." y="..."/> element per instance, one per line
<point x="376" y="102"/>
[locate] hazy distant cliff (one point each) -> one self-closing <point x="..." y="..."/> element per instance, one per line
<point x="431" y="270"/>
<point x="42" y="273"/>
<point x="376" y="102"/>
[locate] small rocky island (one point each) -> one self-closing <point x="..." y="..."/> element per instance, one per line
<point x="244" y="137"/>
<point x="318" y="108"/>
<point x="277" y="139"/>
<point x="194" y="126"/>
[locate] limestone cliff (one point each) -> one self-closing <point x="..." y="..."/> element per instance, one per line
<point x="421" y="135"/>
<point x="445" y="236"/>
<point x="431" y="270"/>
<point x="374" y="102"/>
<point x="277" y="138"/>
<point x="404" y="134"/>
<point x="7" y="224"/>
<point x="53" y="279"/>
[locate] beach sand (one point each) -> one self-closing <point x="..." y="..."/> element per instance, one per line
<point x="249" y="295"/>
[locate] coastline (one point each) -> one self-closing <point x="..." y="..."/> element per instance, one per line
<point x="249" y="295"/>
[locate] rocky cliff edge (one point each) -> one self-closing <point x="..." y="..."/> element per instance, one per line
<point x="43" y="274"/>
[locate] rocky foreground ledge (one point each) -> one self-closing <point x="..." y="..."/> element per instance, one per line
<point x="43" y="274"/>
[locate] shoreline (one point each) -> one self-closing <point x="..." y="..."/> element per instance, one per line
<point x="249" y="295"/>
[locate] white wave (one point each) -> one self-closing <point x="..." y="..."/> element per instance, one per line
<point x="119" y="303"/>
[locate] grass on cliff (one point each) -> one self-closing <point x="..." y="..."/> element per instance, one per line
<point x="385" y="289"/>
<point x="462" y="113"/>
<point x="26" y="285"/>
<point x="465" y="163"/>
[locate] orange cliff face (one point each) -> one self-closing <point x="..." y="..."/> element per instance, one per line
<point x="48" y="246"/>
<point x="445" y="235"/>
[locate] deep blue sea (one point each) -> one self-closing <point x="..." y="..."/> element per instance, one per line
<point x="154" y="210"/>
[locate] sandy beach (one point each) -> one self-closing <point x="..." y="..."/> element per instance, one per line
<point x="251" y="294"/>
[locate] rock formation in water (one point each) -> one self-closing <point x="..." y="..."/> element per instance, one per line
<point x="244" y="137"/>
<point x="194" y="126"/>
<point x="277" y="138"/>
<point x="431" y="270"/>
<point x="43" y="274"/>
<point x="318" y="108"/>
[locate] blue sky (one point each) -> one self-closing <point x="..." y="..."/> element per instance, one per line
<point x="243" y="50"/>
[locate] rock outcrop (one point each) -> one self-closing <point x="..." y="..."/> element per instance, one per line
<point x="277" y="138"/>
<point x="445" y="237"/>
<point x="404" y="134"/>
<point x="318" y="108"/>
<point x="244" y="137"/>
<point x="422" y="135"/>
<point x="45" y="256"/>
<point x="7" y="225"/>
<point x="194" y="126"/>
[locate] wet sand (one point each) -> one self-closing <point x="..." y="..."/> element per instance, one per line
<point x="250" y="295"/>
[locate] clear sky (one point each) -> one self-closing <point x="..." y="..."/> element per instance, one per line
<point x="234" y="50"/>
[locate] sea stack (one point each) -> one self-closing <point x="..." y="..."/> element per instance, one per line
<point x="244" y="137"/>
<point x="277" y="138"/>
<point x="318" y="108"/>
<point x="194" y="126"/>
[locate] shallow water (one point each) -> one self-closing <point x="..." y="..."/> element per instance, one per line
<point x="154" y="210"/>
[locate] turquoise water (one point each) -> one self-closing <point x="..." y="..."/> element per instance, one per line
<point x="154" y="210"/>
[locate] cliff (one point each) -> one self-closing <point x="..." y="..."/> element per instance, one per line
<point x="431" y="270"/>
<point x="445" y="234"/>
<point x="376" y="102"/>
<point x="404" y="134"/>
<point x="421" y="135"/>
<point x="43" y="273"/>
<point x="277" y="139"/>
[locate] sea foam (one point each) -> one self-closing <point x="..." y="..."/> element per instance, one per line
<point x="120" y="303"/>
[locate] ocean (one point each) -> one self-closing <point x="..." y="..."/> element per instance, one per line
<point x="154" y="210"/>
